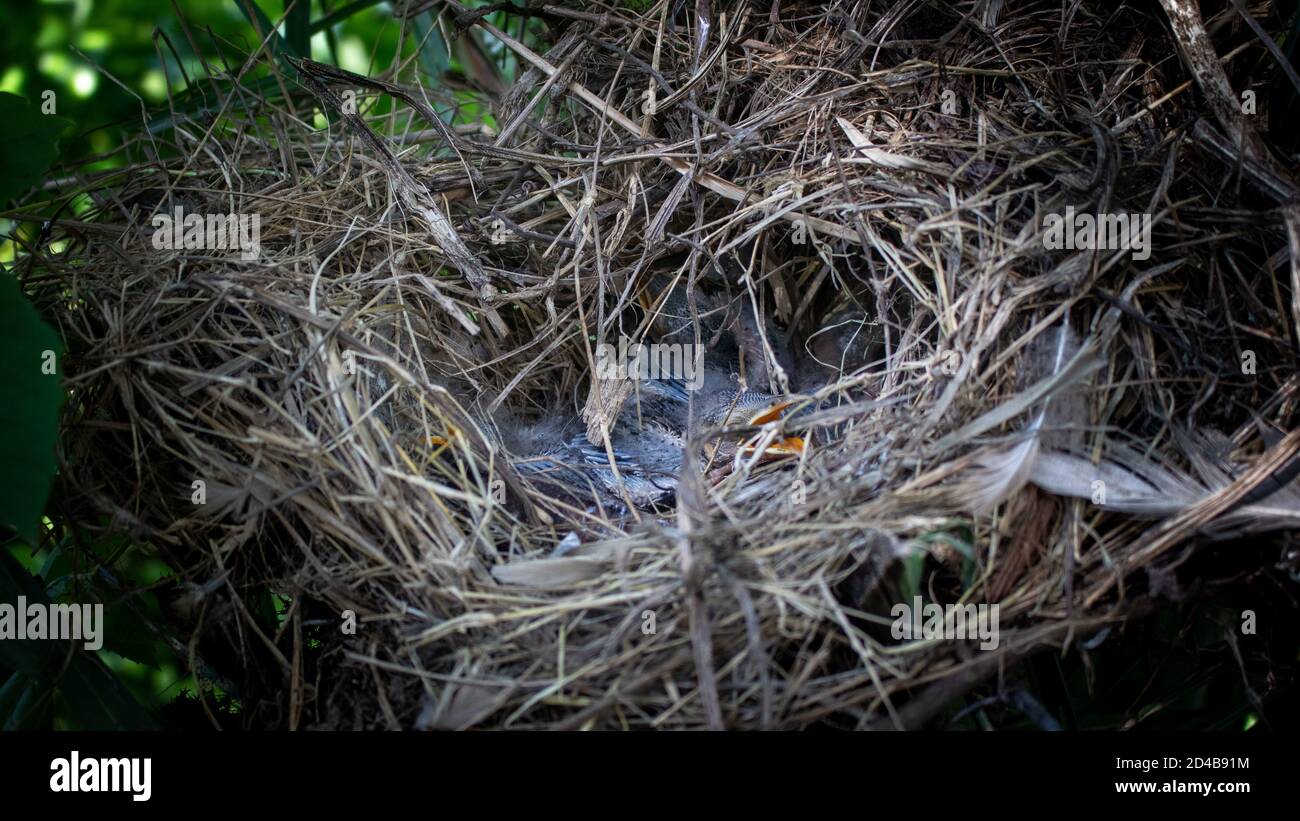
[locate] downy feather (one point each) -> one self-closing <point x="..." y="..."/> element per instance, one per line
<point x="1059" y="361"/>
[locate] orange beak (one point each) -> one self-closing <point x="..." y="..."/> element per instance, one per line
<point x="769" y="414"/>
<point x="787" y="446"/>
<point x="435" y="441"/>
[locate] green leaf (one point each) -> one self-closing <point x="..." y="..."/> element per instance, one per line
<point x="24" y="703"/>
<point x="30" y="655"/>
<point x="297" y="26"/>
<point x="263" y="26"/>
<point x="29" y="144"/>
<point x="913" y="569"/>
<point x="434" y="58"/>
<point x="341" y="14"/>
<point x="31" y="375"/>
<point x="128" y="634"/>
<point x="94" y="699"/>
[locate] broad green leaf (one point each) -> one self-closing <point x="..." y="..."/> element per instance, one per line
<point x="263" y="26"/>
<point x="297" y="26"/>
<point x="31" y="366"/>
<point x="342" y="13"/>
<point x="127" y="634"/>
<point x="30" y="656"/>
<point x="29" y="144"/>
<point x="434" y="57"/>
<point x="24" y="703"/>
<point x="94" y="699"/>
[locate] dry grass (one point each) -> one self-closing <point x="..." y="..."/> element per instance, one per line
<point x="301" y="386"/>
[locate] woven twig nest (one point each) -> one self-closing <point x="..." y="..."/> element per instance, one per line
<point x="887" y="166"/>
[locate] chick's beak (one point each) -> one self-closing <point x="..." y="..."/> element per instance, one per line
<point x="769" y="414"/>
<point x="786" y="446"/>
<point x="435" y="441"/>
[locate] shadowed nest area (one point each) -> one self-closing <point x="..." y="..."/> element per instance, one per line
<point x="970" y="304"/>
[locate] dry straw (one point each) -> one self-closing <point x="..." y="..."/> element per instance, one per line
<point x="407" y="267"/>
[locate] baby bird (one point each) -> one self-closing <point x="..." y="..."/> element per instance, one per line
<point x="645" y="442"/>
<point x="638" y="463"/>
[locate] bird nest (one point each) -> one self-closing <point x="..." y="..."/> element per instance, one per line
<point x="1047" y="429"/>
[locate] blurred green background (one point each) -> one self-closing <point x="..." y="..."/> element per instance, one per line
<point x="73" y="47"/>
<point x="113" y="64"/>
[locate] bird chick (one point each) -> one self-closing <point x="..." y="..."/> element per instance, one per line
<point x="645" y="443"/>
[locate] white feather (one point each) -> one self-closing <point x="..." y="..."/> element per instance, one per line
<point x="1001" y="471"/>
<point x="560" y="572"/>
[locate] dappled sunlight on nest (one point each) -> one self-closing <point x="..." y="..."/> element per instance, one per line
<point x="877" y="166"/>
